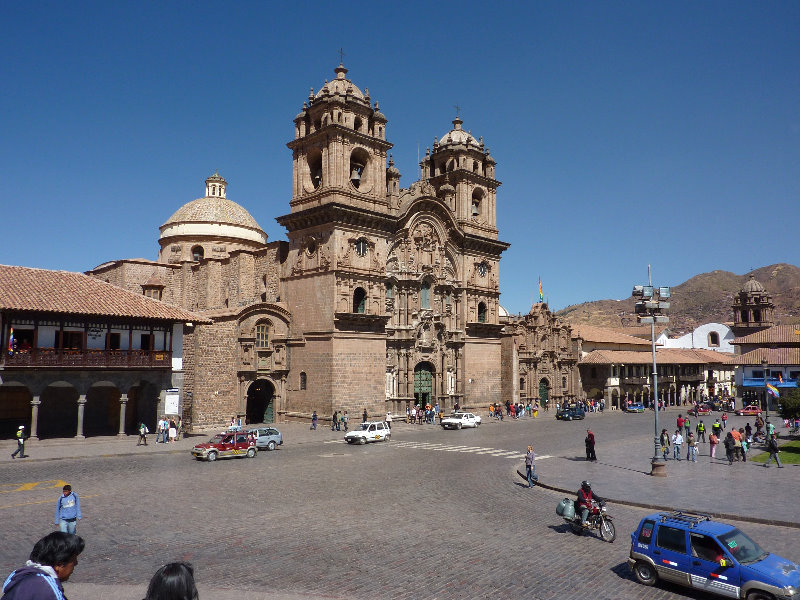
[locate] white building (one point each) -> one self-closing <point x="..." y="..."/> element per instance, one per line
<point x="710" y="336"/>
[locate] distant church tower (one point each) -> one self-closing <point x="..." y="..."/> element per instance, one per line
<point x="752" y="309"/>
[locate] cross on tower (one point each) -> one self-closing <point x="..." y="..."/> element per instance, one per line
<point x="458" y="111"/>
<point x="341" y="56"/>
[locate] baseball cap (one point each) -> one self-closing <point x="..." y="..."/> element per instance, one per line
<point x="22" y="426"/>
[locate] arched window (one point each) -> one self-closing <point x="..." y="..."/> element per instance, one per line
<point x="358" y="163"/>
<point x="314" y="159"/>
<point x="481" y="312"/>
<point x="197" y="253"/>
<point x="262" y="334"/>
<point x="359" y="300"/>
<point x="521" y="383"/>
<point x="563" y="383"/>
<point x="425" y="295"/>
<point x="303" y="380"/>
<point x="713" y="339"/>
<point x="389" y="290"/>
<point x="477" y="197"/>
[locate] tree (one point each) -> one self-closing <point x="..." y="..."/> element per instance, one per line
<point x="790" y="404"/>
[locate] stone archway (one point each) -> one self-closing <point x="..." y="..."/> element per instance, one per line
<point x="615" y="399"/>
<point x="16" y="403"/>
<point x="58" y="412"/>
<point x="142" y="408"/>
<point x="260" y="402"/>
<point x="544" y="390"/>
<point x="424" y="392"/>
<point x="101" y="414"/>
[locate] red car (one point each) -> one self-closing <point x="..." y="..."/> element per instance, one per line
<point x="228" y="444"/>
<point x="750" y="411"/>
<point x="701" y="409"/>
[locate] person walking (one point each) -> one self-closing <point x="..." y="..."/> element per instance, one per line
<point x="173" y="431"/>
<point x="713" y="442"/>
<point x="389" y="420"/>
<point x="724" y="421"/>
<point x="773" y="449"/>
<point x="143" y="431"/>
<point x="530" y="468"/>
<point x="51" y="563"/>
<point x="68" y="510"/>
<point x="20" y="443"/>
<point x="730" y="446"/>
<point x="691" y="448"/>
<point x="745" y="445"/>
<point x="701" y="431"/>
<point x="590" y="454"/>
<point x="677" y="442"/>
<point x="364" y="416"/>
<point x="314" y="418"/>
<point x="345" y="419"/>
<point x="334" y="420"/>
<point x="665" y="443"/>
<point x="737" y="444"/>
<point x="716" y="428"/>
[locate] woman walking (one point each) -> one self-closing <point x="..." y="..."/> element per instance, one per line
<point x="530" y="469"/>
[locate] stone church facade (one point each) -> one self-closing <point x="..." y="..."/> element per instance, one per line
<point x="382" y="296"/>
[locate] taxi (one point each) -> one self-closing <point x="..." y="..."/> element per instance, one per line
<point x="229" y="444"/>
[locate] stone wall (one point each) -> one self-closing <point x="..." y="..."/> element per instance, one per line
<point x="214" y="364"/>
<point x="482" y="365"/>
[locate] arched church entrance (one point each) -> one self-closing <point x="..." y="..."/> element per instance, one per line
<point x="544" y="391"/>
<point x="260" y="402"/>
<point x="423" y="383"/>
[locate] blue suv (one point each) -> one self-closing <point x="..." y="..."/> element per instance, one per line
<point x="695" y="551"/>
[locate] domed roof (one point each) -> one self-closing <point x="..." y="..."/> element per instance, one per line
<point x="751" y="285"/>
<point x="340" y="85"/>
<point x="213" y="210"/>
<point x="459" y="136"/>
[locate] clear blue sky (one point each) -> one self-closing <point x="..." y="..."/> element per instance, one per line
<point x="625" y="133"/>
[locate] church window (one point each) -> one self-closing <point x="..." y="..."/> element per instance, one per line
<point x="756" y="316"/>
<point x="197" y="253"/>
<point x="563" y="383"/>
<point x="315" y="167"/>
<point x="744" y="316"/>
<point x="521" y="383"/>
<point x="425" y="295"/>
<point x="481" y="312"/>
<point x="262" y="335"/>
<point x="359" y="301"/>
<point x="357" y="124"/>
<point x="477" y="196"/>
<point x="361" y="246"/>
<point x="713" y="339"/>
<point x="451" y="164"/>
<point x="389" y="290"/>
<point x="358" y="164"/>
<point x="482" y="269"/>
<point x="303" y="380"/>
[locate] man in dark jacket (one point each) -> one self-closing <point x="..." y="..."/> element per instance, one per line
<point x="52" y="561"/>
<point x="584" y="502"/>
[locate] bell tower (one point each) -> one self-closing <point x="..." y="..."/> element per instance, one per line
<point x="339" y="148"/>
<point x="752" y="309"/>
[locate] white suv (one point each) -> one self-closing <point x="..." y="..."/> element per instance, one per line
<point x="373" y="431"/>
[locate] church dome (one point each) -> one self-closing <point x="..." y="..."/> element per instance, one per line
<point x="459" y="136"/>
<point x="340" y="85"/>
<point x="213" y="210"/>
<point x="752" y="286"/>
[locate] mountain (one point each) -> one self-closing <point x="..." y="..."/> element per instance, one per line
<point x="704" y="298"/>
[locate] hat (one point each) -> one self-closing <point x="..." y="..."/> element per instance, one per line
<point x="22" y="426"/>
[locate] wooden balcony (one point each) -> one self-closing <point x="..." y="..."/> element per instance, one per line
<point x="118" y="359"/>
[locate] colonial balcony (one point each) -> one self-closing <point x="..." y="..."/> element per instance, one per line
<point x="695" y="378"/>
<point x="662" y="379"/>
<point x="118" y="359"/>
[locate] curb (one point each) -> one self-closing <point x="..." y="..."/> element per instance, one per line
<point x="716" y="515"/>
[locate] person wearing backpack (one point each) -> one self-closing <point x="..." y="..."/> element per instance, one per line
<point x="773" y="449"/>
<point x="143" y="431"/>
<point x="687" y="428"/>
<point x="68" y="510"/>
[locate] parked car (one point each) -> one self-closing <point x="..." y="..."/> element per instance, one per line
<point x="637" y="407"/>
<point x="228" y="444"/>
<point x="460" y="419"/>
<point x="571" y="414"/>
<point x="700" y="409"/>
<point x="695" y="551"/>
<point x="267" y="438"/>
<point x="370" y="431"/>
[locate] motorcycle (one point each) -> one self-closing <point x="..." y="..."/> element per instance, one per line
<point x="598" y="519"/>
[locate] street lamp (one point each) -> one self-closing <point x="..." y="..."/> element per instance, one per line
<point x="764" y="365"/>
<point x="648" y="310"/>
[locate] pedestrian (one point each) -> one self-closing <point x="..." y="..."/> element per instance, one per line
<point x="687" y="428"/>
<point x="737" y="443"/>
<point x="748" y="433"/>
<point x="173" y="431"/>
<point x="334" y="420"/>
<point x="680" y="421"/>
<point x="389" y="420"/>
<point x="701" y="431"/>
<point x="179" y="427"/>
<point x="143" y="431"/>
<point x="345" y="419"/>
<point x="716" y="428"/>
<point x="773" y="449"/>
<point x="745" y="445"/>
<point x="408" y="414"/>
<point x="173" y="581"/>
<point x="364" y="416"/>
<point x="677" y="442"/>
<point x="314" y="420"/>
<point x="590" y="454"/>
<point x="664" y="443"/>
<point x="691" y="448"/>
<point x="713" y="442"/>
<point x="770" y="428"/>
<point x="724" y="420"/>
<point x="68" y="510"/>
<point x="730" y="445"/>
<point x="52" y="561"/>
<point x="530" y="468"/>
<point x="20" y="443"/>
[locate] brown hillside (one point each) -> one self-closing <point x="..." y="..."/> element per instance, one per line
<point x="704" y="298"/>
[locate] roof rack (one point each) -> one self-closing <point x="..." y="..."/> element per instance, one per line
<point x="685" y="517"/>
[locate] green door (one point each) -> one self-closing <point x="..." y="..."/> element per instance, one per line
<point x="544" y="391"/>
<point x="423" y="384"/>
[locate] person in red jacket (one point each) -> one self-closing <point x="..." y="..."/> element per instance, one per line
<point x="585" y="497"/>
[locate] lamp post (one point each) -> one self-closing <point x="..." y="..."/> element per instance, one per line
<point x="648" y="310"/>
<point x="764" y="365"/>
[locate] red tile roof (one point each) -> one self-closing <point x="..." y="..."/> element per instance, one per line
<point x="608" y="336"/>
<point x="64" y="292"/>
<point x="774" y="356"/>
<point x="664" y="356"/>
<point x="780" y="334"/>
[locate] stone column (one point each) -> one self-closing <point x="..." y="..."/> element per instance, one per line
<point x="81" y="406"/>
<point x="35" y="402"/>
<point x="123" y="403"/>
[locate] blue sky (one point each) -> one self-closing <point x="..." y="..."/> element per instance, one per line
<point x="625" y="133"/>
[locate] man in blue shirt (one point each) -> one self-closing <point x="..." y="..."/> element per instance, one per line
<point x="68" y="510"/>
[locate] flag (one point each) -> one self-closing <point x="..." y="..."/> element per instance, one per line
<point x="541" y="295"/>
<point x="773" y="391"/>
<point x="11" y="342"/>
<point x="780" y="377"/>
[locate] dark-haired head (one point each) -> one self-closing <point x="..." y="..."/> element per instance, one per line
<point x="173" y="581"/>
<point x="57" y="548"/>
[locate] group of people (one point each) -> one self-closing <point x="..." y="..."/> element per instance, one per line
<point x="54" y="558"/>
<point x="339" y="421"/>
<point x="424" y="414"/>
<point x="514" y="410"/>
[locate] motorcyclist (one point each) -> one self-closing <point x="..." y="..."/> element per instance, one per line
<point x="585" y="497"/>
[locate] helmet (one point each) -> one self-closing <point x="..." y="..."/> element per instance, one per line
<point x="586" y="485"/>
